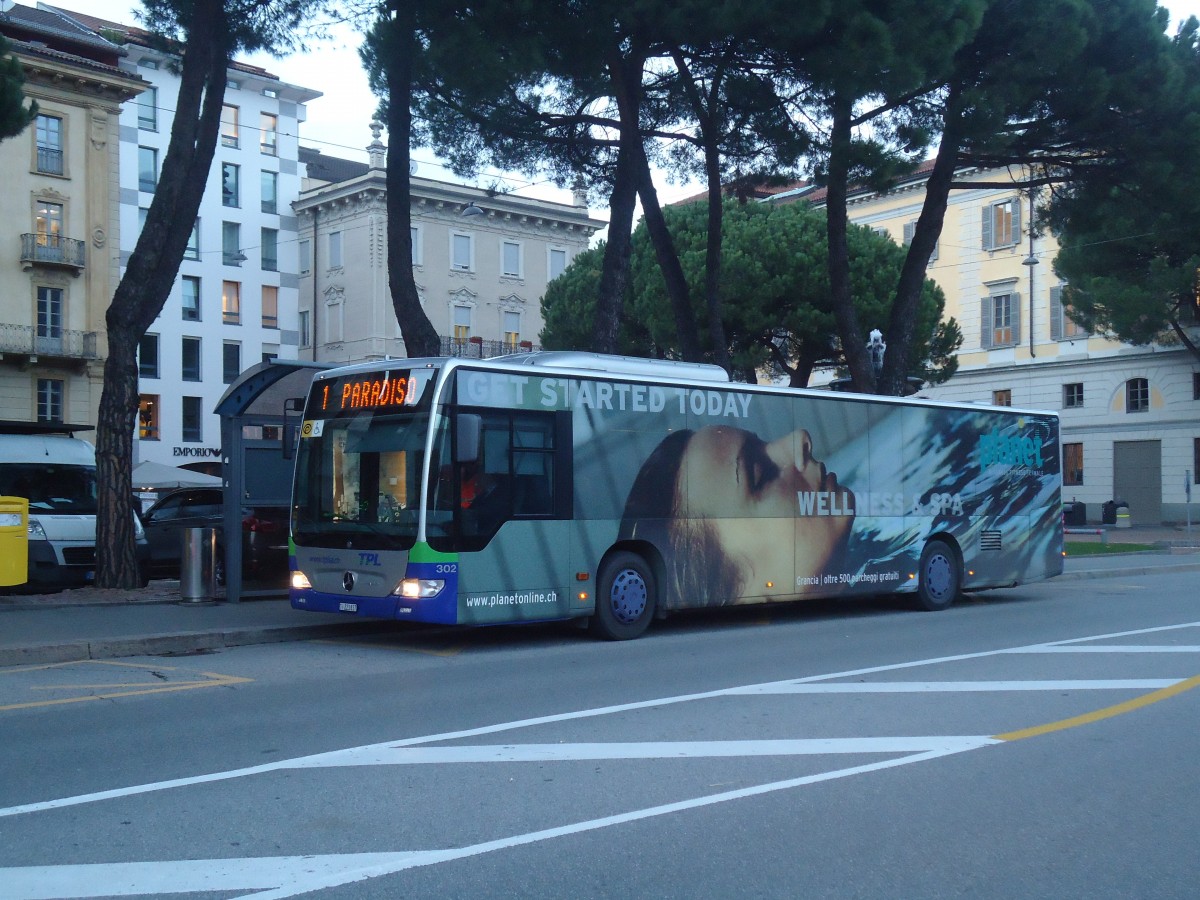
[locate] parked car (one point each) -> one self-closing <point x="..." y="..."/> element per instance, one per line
<point x="264" y="533"/>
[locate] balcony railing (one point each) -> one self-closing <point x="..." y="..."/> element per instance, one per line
<point x="50" y="160"/>
<point x="477" y="348"/>
<point x="52" y="250"/>
<point x="80" y="345"/>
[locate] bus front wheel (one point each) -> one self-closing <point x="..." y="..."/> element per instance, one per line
<point x="625" y="598"/>
<point x="939" y="581"/>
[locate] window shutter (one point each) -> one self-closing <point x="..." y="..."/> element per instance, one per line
<point x="989" y="213"/>
<point x="985" y="323"/>
<point x="1014" y="313"/>
<point x="910" y="228"/>
<point x="1016" y="221"/>
<point x="1056" y="313"/>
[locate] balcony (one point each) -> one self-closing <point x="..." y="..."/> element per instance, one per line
<point x="478" y="348"/>
<point x="25" y="345"/>
<point x="52" y="250"/>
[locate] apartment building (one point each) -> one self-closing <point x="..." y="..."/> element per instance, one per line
<point x="61" y="220"/>
<point x="234" y="300"/>
<point x="1130" y="415"/>
<point x="481" y="260"/>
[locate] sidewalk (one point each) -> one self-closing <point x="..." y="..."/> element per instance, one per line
<point x="91" y="623"/>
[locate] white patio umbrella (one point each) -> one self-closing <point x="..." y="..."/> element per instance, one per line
<point x="152" y="476"/>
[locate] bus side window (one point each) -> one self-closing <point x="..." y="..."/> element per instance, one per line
<point x="533" y="465"/>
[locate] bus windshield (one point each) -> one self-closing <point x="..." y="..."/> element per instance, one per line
<point x="358" y="481"/>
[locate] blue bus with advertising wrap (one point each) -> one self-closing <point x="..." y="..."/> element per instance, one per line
<point x="561" y="485"/>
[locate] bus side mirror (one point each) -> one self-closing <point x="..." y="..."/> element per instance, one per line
<point x="466" y="437"/>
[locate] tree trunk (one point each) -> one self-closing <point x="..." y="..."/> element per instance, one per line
<point x="149" y="277"/>
<point x="420" y="337"/>
<point x="854" y="342"/>
<point x="900" y="333"/>
<point x="712" y="259"/>
<point x="614" y="273"/>
<point x="668" y="261"/>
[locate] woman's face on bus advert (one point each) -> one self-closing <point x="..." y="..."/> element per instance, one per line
<point x="772" y="505"/>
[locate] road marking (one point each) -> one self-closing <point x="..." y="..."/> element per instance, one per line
<point x="1099" y="714"/>
<point x="111" y="690"/>
<point x="299" y="875"/>
<point x="937" y="687"/>
<point x="1112" y="648"/>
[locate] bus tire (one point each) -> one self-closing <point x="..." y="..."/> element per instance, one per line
<point x="625" y="599"/>
<point x="939" y="579"/>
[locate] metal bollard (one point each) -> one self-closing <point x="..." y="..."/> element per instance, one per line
<point x="197" y="565"/>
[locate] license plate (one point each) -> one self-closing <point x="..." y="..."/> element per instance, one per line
<point x="347" y="607"/>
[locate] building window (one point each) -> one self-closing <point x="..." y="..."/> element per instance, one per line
<point x="269" y="356"/>
<point x="231" y="302"/>
<point x="910" y="230"/>
<point x="414" y="237"/>
<point x="189" y="369"/>
<point x="231" y="244"/>
<point x="1196" y="385"/>
<point x="148" y="422"/>
<point x="462" y="323"/>
<point x="1196" y="460"/>
<point x="230" y="189"/>
<point x="510" y="257"/>
<point x="231" y="361"/>
<point x="1062" y="327"/>
<point x="143" y="213"/>
<point x="512" y="329"/>
<point x="49" y="313"/>
<point x="305" y="336"/>
<point x="1002" y="224"/>
<point x="147" y="109"/>
<point x="1002" y="398"/>
<point x="1072" y="464"/>
<point x="190" y="286"/>
<point x="51" y="394"/>
<point x="269" y="189"/>
<point x="229" y="125"/>
<point x="192" y="251"/>
<point x="305" y="252"/>
<point x="1137" y="395"/>
<point x="557" y="264"/>
<point x="48" y="132"/>
<point x="268" y="125"/>
<point x="48" y="228"/>
<point x="148" y="356"/>
<point x="1073" y="395"/>
<point x="1000" y="320"/>
<point x="147" y="169"/>
<point x="460" y="252"/>
<point x="270" y="306"/>
<point x="192" y="419"/>
<point x="269" y="249"/>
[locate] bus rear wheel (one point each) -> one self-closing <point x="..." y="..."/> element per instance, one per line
<point x="939" y="580"/>
<point x="625" y="599"/>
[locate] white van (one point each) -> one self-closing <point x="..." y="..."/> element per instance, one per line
<point x="56" y="471"/>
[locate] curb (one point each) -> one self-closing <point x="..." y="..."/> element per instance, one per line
<point x="178" y="642"/>
<point x="1128" y="571"/>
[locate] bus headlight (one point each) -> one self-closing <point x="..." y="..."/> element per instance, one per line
<point x="419" y="588"/>
<point x="300" y="581"/>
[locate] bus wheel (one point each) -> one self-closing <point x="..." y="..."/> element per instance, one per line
<point x="939" y="581"/>
<point x="625" y="597"/>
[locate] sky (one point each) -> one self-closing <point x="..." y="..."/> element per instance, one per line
<point x="339" y="121"/>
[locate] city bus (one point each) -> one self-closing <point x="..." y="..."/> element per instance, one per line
<point x="566" y="485"/>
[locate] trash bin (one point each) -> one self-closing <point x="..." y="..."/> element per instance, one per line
<point x="197" y="565"/>
<point x="1074" y="514"/>
<point x="1108" y="513"/>
<point x="14" y="541"/>
<point x="1121" y="510"/>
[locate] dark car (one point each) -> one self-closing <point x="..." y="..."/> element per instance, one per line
<point x="264" y="533"/>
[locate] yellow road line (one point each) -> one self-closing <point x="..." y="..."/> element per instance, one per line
<point x="214" y="679"/>
<point x="1107" y="713"/>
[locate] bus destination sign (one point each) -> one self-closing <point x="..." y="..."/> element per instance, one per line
<point x="389" y="391"/>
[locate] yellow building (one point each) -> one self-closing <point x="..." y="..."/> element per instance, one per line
<point x="1130" y="415"/>
<point x="60" y="219"/>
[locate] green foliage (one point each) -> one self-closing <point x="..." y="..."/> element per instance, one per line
<point x="775" y="293"/>
<point x="15" y="116"/>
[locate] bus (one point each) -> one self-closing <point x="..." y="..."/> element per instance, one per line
<point x="558" y="485"/>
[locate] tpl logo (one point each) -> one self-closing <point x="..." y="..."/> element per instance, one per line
<point x="369" y="559"/>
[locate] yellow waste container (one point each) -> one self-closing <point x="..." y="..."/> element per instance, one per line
<point x="14" y="541"/>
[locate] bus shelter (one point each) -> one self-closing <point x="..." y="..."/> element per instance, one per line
<point x="259" y="413"/>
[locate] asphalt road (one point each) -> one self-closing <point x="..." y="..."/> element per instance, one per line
<point x="1037" y="742"/>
